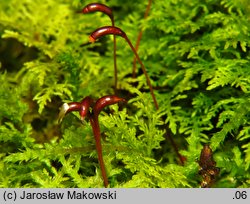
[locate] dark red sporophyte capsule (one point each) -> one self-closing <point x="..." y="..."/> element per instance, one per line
<point x="106" y="30"/>
<point x="98" y="7"/>
<point x="106" y="101"/>
<point x="85" y="104"/>
<point x="82" y="107"/>
<point x="68" y="107"/>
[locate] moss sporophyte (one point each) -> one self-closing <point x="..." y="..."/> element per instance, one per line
<point x="84" y="106"/>
<point x="108" y="11"/>
<point x="112" y="30"/>
<point x="89" y="109"/>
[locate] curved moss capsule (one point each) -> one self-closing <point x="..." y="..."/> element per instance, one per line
<point x="106" y="101"/>
<point x="84" y="109"/>
<point x="98" y="7"/>
<point x="66" y="108"/>
<point x="106" y="30"/>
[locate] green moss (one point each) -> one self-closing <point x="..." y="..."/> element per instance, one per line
<point x="197" y="56"/>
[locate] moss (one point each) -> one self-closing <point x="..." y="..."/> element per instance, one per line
<point x="197" y="56"/>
